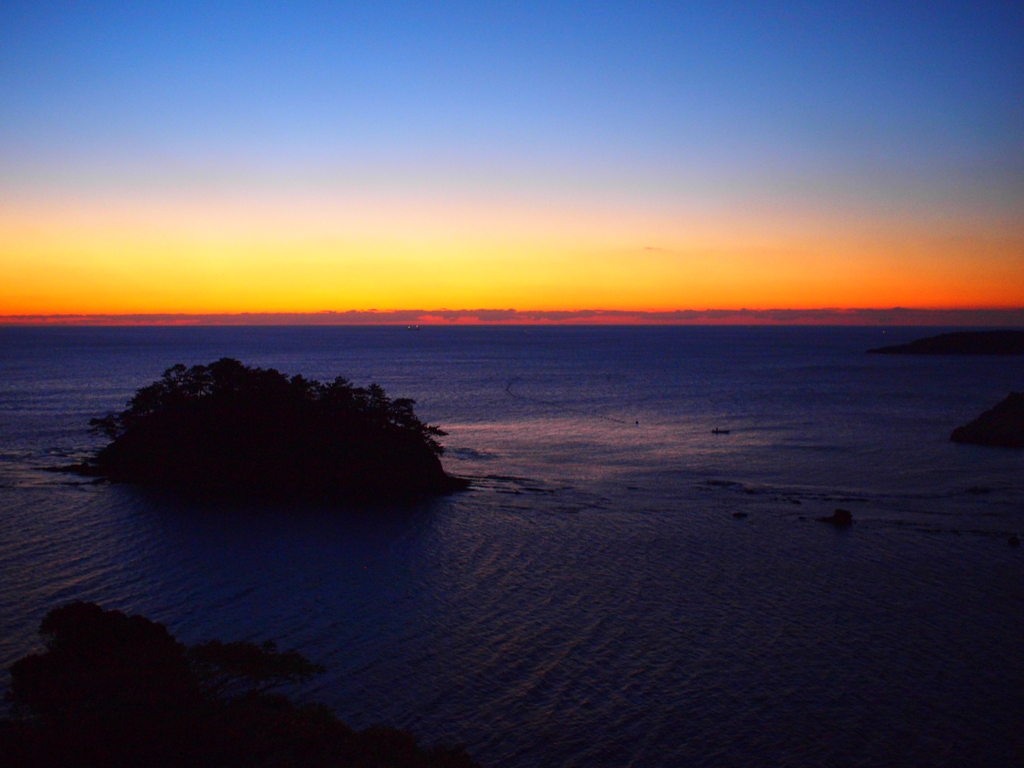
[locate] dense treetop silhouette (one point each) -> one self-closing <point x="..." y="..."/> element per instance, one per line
<point x="117" y="691"/>
<point x="230" y="426"/>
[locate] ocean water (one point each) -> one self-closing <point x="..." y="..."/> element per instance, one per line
<point x="591" y="600"/>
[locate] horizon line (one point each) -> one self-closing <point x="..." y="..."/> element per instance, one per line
<point x="448" y="317"/>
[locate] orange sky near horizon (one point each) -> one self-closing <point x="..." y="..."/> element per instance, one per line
<point x="229" y="255"/>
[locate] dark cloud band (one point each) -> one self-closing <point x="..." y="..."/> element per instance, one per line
<point x="894" y="316"/>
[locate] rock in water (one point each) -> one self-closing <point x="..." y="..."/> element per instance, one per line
<point x="961" y="343"/>
<point x="1001" y="426"/>
<point x="841" y="518"/>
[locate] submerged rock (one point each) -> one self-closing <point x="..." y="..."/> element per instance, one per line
<point x="840" y="518"/>
<point x="1001" y="426"/>
<point x="230" y="427"/>
<point x="961" y="343"/>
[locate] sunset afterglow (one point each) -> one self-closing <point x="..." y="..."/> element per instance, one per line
<point x="302" y="159"/>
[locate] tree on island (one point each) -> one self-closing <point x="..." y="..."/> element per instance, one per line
<point x="115" y="691"/>
<point x="230" y="426"/>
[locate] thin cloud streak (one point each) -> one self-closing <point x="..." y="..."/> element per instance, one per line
<point x="895" y="316"/>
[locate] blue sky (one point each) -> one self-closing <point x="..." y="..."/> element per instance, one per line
<point x="605" y="82"/>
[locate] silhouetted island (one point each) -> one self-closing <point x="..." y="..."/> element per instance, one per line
<point x="117" y="691"/>
<point x="1001" y="426"/>
<point x="228" y="426"/>
<point x="961" y="343"/>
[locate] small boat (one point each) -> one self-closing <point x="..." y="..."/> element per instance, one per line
<point x="412" y="328"/>
<point x="717" y="431"/>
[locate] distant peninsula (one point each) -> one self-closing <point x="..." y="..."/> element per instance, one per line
<point x="961" y="343"/>
<point x="1002" y="425"/>
<point x="230" y="427"/>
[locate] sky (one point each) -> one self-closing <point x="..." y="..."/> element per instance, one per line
<point x="645" y="156"/>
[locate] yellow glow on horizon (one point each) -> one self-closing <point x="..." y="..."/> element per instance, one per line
<point x="214" y="257"/>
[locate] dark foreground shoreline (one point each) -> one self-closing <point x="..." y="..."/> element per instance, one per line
<point x="118" y="691"/>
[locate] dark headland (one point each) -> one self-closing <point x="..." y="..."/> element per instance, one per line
<point x="230" y="427"/>
<point x="961" y="343"/>
<point x="117" y="691"/>
<point x="1001" y="426"/>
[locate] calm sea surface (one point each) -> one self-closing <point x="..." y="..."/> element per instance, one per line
<point x="591" y="601"/>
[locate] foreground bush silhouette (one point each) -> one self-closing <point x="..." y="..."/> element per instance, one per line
<point x="115" y="691"/>
<point x="231" y="426"/>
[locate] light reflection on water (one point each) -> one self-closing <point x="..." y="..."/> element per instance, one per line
<point x="591" y="600"/>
